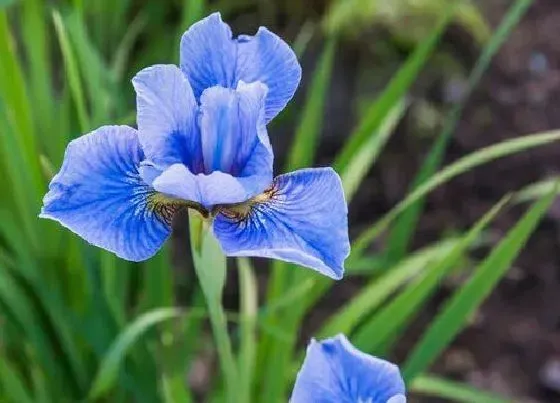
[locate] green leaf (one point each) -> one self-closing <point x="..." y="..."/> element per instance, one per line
<point x="454" y="315"/>
<point x="452" y="391"/>
<point x="392" y="94"/>
<point x="209" y="261"/>
<point x="304" y="145"/>
<point x="377" y="291"/>
<point x="358" y="167"/>
<point x="6" y="3"/>
<point x="249" y="306"/>
<point x="107" y="372"/>
<point x="210" y="267"/>
<point x="403" y="230"/>
<point x="462" y="165"/>
<point x="97" y="79"/>
<point x="11" y="384"/>
<point x="72" y="72"/>
<point x="385" y="324"/>
<point x="536" y="190"/>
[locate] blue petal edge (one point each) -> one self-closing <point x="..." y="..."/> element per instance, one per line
<point x="302" y="219"/>
<point x="210" y="56"/>
<point x="335" y="371"/>
<point x="99" y="195"/>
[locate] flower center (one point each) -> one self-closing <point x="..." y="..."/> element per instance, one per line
<point x="166" y="207"/>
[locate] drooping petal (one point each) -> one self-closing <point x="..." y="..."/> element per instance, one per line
<point x="335" y="371"/>
<point x="210" y="56"/>
<point x="99" y="195"/>
<point x="302" y="219"/>
<point x="208" y="190"/>
<point x="233" y="132"/>
<point x="166" y="114"/>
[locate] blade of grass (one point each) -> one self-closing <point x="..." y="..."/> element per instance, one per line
<point x="377" y="291"/>
<point x="16" y="306"/>
<point x="18" y="179"/>
<point x="304" y="145"/>
<point x="72" y="72"/>
<point x="36" y="39"/>
<point x="536" y="190"/>
<point x="89" y="64"/>
<point x="12" y="386"/>
<point x="394" y="92"/>
<point x="358" y="167"/>
<point x="18" y="110"/>
<point x="454" y="315"/>
<point x="460" y="166"/>
<point x="386" y="323"/>
<point x="452" y="391"/>
<point x="403" y="230"/>
<point x="106" y="374"/>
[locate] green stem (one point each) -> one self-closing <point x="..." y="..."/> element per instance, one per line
<point x="210" y="267"/>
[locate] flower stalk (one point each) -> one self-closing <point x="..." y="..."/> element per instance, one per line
<point x="210" y="267"/>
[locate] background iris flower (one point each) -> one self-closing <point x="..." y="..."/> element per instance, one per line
<point x="335" y="371"/>
<point x="202" y="143"/>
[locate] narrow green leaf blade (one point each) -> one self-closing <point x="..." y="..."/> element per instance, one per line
<point x="108" y="370"/>
<point x="466" y="300"/>
<point x="378" y="290"/>
<point x="359" y="165"/>
<point x="462" y="165"/>
<point x="395" y="92"/>
<point x="453" y="391"/>
<point x="393" y="317"/>
<point x="12" y="386"/>
<point x="403" y="230"/>
<point x="72" y="71"/>
<point x="304" y="145"/>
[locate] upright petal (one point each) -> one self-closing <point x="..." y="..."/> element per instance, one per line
<point x="302" y="219"/>
<point x="210" y="56"/>
<point x="99" y="195"/>
<point x="166" y="114"/>
<point x="335" y="371"/>
<point x="208" y="190"/>
<point x="267" y="58"/>
<point x="233" y="131"/>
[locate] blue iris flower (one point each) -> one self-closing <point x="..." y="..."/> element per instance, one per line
<point x="202" y="143"/>
<point x="334" y="371"/>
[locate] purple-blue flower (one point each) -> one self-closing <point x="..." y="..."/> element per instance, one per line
<point x="202" y="143"/>
<point x="334" y="371"/>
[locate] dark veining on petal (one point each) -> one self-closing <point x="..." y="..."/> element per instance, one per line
<point x="166" y="207"/>
<point x="241" y="211"/>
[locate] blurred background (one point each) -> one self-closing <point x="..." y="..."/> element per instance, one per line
<point x="66" y="309"/>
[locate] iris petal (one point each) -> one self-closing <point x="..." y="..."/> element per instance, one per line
<point x="166" y="114"/>
<point x="335" y="371"/>
<point x="233" y="131"/>
<point x="210" y="56"/>
<point x="302" y="219"/>
<point x="267" y="58"/>
<point x="99" y="195"/>
<point x="208" y="190"/>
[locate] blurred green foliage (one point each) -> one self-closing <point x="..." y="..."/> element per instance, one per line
<point x="77" y="324"/>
